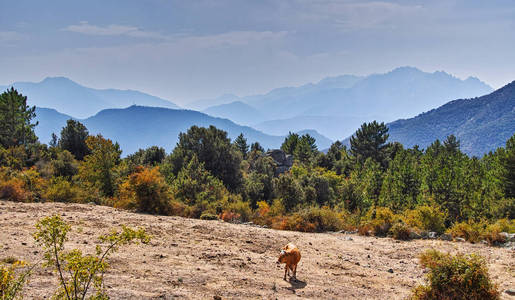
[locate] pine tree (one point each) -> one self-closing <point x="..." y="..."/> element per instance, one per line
<point x="241" y="144"/>
<point x="509" y="180"/>
<point x="73" y="138"/>
<point x="15" y="119"/>
<point x="256" y="147"/>
<point x="290" y="143"/>
<point x="369" y="141"/>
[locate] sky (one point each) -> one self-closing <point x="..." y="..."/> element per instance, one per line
<point x="188" y="50"/>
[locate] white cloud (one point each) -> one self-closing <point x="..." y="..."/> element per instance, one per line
<point x="113" y="30"/>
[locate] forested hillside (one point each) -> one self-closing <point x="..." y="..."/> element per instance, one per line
<point x="481" y="124"/>
<point x="138" y="127"/>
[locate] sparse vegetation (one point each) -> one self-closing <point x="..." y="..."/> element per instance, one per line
<point x="79" y="273"/>
<point x="13" y="276"/>
<point x="455" y="277"/>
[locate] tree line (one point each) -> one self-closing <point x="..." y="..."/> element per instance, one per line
<point x="374" y="185"/>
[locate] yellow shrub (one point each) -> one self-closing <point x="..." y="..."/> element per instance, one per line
<point x="12" y="279"/>
<point x="315" y="219"/>
<point x="60" y="190"/>
<point x="470" y="231"/>
<point x="378" y="221"/>
<point x="145" y="191"/>
<point x="426" y="217"/>
<point x="492" y="232"/>
<point x="455" y="277"/>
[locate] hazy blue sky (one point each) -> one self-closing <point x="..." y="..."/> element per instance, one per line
<point x="185" y="50"/>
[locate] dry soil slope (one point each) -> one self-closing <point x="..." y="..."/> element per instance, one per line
<point x="200" y="259"/>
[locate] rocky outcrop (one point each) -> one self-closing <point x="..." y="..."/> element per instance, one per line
<point x="282" y="160"/>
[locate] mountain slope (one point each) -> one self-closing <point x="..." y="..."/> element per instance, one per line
<point x="351" y="100"/>
<point x="138" y="127"/>
<point x="79" y="101"/>
<point x="401" y="93"/>
<point x="238" y="112"/>
<point x="333" y="127"/>
<point x="482" y="124"/>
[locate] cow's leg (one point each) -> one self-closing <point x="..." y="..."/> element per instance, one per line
<point x="285" y="270"/>
<point x="295" y="272"/>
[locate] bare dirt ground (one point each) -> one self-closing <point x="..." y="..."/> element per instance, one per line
<point x="197" y="259"/>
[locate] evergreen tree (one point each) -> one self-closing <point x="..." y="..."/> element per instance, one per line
<point x="305" y="148"/>
<point x="54" y="141"/>
<point x="369" y="141"/>
<point x="451" y="144"/>
<point x="98" y="168"/>
<point x="16" y="127"/>
<point x="213" y="148"/>
<point x="509" y="180"/>
<point x="241" y="144"/>
<point x="290" y="143"/>
<point x="195" y="185"/>
<point x="151" y="156"/>
<point x="73" y="138"/>
<point x="256" y="147"/>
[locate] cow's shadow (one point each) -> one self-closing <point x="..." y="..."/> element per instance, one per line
<point x="296" y="284"/>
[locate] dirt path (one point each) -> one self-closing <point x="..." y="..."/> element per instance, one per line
<point x="197" y="259"/>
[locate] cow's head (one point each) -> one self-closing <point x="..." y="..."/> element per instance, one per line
<point x="282" y="257"/>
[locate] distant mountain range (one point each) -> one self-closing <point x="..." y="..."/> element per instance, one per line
<point x="482" y="124"/>
<point x="328" y="110"/>
<point x="348" y="100"/>
<point x="138" y="127"/>
<point x="79" y="101"/>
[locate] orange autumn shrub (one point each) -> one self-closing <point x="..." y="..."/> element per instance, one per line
<point x="145" y="190"/>
<point x="14" y="190"/>
<point x="229" y="216"/>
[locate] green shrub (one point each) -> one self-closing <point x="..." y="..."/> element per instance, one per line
<point x="78" y="272"/>
<point x="400" y="231"/>
<point x="455" y="277"/>
<point x="208" y="216"/>
<point x="60" y="190"/>
<point x="240" y="208"/>
<point x="315" y="219"/>
<point x="12" y="278"/>
<point x="505" y="225"/>
<point x="492" y="232"/>
<point x="470" y="231"/>
<point x="378" y="221"/>
<point x="426" y="217"/>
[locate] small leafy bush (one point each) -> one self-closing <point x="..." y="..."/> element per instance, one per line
<point x="455" y="277"/>
<point x="60" y="190"/>
<point x="470" y="231"/>
<point x="12" y="278"/>
<point x="79" y="272"/>
<point x="208" y="216"/>
<point x="426" y="217"/>
<point x="237" y="211"/>
<point x="400" y="231"/>
<point x="14" y="190"/>
<point x="229" y="216"/>
<point x="492" y="232"/>
<point x="378" y="221"/>
<point x="315" y="219"/>
<point x="145" y="191"/>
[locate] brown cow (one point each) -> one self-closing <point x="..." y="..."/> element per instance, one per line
<point x="290" y="255"/>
